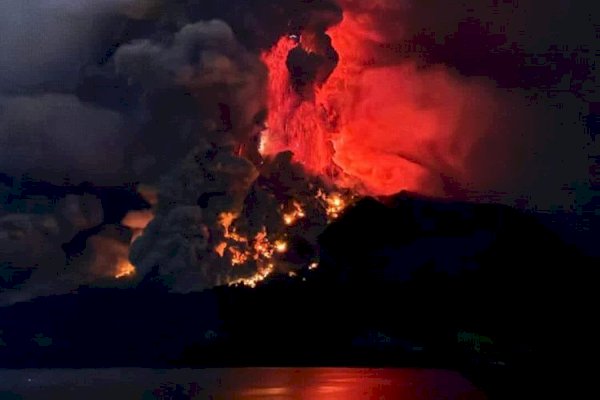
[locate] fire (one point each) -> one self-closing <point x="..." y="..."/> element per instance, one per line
<point x="334" y="203"/>
<point x="291" y="217"/>
<point x="238" y="257"/>
<point x="260" y="247"/>
<point x="372" y="126"/>
<point x="220" y="249"/>
<point x="226" y="220"/>
<point x="288" y="219"/>
<point x="124" y="269"/>
<point x="137" y="221"/>
<point x="280" y="246"/>
<point x="256" y="278"/>
<point x="263" y="250"/>
<point x="242" y="250"/>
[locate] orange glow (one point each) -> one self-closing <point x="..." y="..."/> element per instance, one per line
<point x="137" y="221"/>
<point x="280" y="246"/>
<point x="293" y="124"/>
<point x="241" y="250"/>
<point x="124" y="269"/>
<point x="372" y="127"/>
<point x="334" y="203"/>
<point x="226" y="220"/>
<point x="238" y="257"/>
<point x="262" y="247"/>
<point x="149" y="193"/>
<point x="220" y="249"/>
<point x="256" y="278"/>
<point x="291" y="217"/>
<point x="110" y="258"/>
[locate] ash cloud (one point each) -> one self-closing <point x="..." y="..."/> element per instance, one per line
<point x="171" y="94"/>
<point x="121" y="92"/>
<point x="205" y="61"/>
<point x="56" y="137"/>
<point x="533" y="61"/>
<point x="50" y="137"/>
<point x="177" y="248"/>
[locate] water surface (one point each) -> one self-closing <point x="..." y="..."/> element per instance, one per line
<point x="237" y="383"/>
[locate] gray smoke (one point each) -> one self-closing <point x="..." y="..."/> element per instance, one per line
<point x="63" y="119"/>
<point x="205" y="60"/>
<point x="172" y="95"/>
<point x="55" y="137"/>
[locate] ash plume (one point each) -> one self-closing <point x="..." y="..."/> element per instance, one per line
<point x="527" y="67"/>
<point x="147" y="92"/>
<point x="173" y="99"/>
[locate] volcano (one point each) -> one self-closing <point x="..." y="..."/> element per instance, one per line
<point x="392" y="183"/>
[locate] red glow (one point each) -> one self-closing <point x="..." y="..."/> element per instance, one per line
<point x="293" y="124"/>
<point x="372" y="128"/>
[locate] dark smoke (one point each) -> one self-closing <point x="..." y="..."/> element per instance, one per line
<point x="171" y="95"/>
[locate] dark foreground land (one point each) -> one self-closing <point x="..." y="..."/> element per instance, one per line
<point x="411" y="282"/>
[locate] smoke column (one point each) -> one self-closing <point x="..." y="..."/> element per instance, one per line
<point x="372" y="125"/>
<point x="247" y="127"/>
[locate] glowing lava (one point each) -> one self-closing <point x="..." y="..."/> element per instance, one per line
<point x="240" y="250"/>
<point x="296" y="214"/>
<point x="124" y="269"/>
<point x="334" y="203"/>
<point x="372" y="126"/>
<point x="261" y="275"/>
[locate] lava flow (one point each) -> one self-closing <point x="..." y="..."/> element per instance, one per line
<point x="264" y="250"/>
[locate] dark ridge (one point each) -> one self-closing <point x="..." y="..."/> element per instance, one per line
<point x="411" y="281"/>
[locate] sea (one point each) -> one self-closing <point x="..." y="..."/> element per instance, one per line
<point x="237" y="383"/>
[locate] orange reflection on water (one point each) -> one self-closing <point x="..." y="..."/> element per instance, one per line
<point x="239" y="383"/>
<point x="355" y="384"/>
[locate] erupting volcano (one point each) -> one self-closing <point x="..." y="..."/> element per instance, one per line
<point x="344" y="118"/>
<point x="252" y="144"/>
<point x="201" y="185"/>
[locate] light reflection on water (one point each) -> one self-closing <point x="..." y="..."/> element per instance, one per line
<point x="238" y="383"/>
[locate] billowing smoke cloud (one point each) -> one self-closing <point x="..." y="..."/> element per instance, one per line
<point x="530" y="64"/>
<point x="32" y="261"/>
<point x="162" y="99"/>
<point x="174" y="95"/>
<point x="55" y="137"/>
<point x="206" y="61"/>
<point x="50" y="130"/>
<point x="178" y="246"/>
